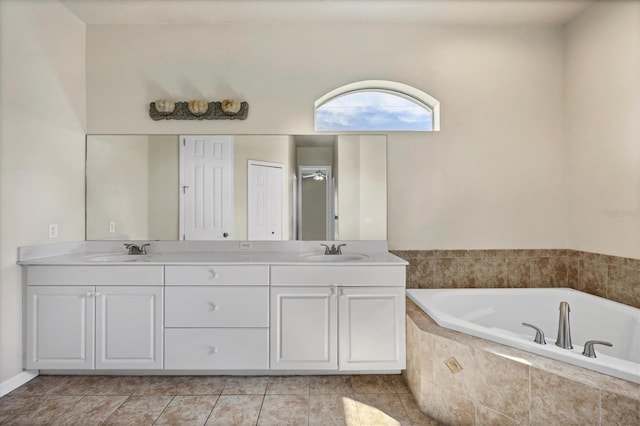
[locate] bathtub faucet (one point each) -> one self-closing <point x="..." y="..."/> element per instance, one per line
<point x="564" y="330"/>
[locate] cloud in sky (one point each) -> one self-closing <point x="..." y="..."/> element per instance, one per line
<point x="372" y="111"/>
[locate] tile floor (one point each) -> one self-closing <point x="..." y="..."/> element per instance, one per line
<point x="365" y="400"/>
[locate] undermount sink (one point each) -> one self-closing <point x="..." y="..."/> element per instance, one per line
<point x="117" y="257"/>
<point x="349" y="257"/>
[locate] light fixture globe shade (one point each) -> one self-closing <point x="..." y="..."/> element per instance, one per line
<point x="230" y="106"/>
<point x="165" y="106"/>
<point x="198" y="107"/>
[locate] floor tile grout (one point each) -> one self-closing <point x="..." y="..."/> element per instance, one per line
<point x="344" y="388"/>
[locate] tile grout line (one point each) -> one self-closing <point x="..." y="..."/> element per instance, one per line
<point x="214" y="406"/>
<point x="164" y="409"/>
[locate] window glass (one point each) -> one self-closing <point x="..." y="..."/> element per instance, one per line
<point x="374" y="110"/>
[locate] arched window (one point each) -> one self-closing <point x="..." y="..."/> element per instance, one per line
<point x="377" y="105"/>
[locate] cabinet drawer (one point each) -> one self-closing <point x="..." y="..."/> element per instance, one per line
<point x="217" y="275"/>
<point x="95" y="275"/>
<point x="338" y="275"/>
<point x="221" y="306"/>
<point x="213" y="349"/>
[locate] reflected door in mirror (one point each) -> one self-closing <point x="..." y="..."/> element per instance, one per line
<point x="206" y="197"/>
<point x="265" y="207"/>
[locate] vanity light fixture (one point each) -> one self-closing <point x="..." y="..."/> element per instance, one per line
<point x="228" y="109"/>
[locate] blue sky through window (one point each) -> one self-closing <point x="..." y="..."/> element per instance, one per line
<point x="373" y="111"/>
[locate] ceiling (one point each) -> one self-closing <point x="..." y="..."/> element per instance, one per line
<point x="440" y="12"/>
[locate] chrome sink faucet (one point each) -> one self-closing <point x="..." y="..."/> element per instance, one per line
<point x="564" y="330"/>
<point x="333" y="249"/>
<point x="136" y="250"/>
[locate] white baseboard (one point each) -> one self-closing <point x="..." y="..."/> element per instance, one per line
<point x="16" y="381"/>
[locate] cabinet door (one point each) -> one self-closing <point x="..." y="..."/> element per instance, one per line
<point x="372" y="328"/>
<point x="303" y="328"/>
<point x="60" y="327"/>
<point x="129" y="327"/>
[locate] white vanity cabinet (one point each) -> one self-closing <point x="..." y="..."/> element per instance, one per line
<point x="304" y="326"/>
<point x="71" y="310"/>
<point x="350" y="318"/>
<point x="60" y="327"/>
<point x="217" y="317"/>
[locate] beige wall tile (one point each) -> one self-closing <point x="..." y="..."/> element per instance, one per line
<point x="619" y="410"/>
<point x="557" y="400"/>
<point x="449" y="408"/>
<point x="518" y="273"/>
<point x="549" y="272"/>
<point x="462" y="382"/>
<point x="592" y="278"/>
<point x="487" y="417"/>
<point x="623" y="285"/>
<point x="503" y="385"/>
<point x="426" y="356"/>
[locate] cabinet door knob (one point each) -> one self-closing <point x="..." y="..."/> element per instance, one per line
<point x="333" y="291"/>
<point x="212" y="274"/>
<point x="213" y="350"/>
<point x="213" y="307"/>
<point x="89" y="294"/>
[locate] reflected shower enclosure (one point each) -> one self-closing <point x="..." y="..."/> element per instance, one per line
<point x="315" y="203"/>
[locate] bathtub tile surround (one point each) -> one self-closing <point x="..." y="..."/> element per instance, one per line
<point x="559" y="400"/>
<point x="509" y="387"/>
<point x="612" y="277"/>
<point x="502" y="385"/>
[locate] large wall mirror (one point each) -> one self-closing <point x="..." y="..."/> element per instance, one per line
<point x="238" y="187"/>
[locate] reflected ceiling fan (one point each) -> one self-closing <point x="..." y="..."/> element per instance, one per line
<point x="317" y="175"/>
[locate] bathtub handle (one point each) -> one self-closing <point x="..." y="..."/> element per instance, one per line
<point x="539" y="339"/>
<point x="589" y="350"/>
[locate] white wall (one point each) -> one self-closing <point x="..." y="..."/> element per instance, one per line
<point x="164" y="196"/>
<point x="42" y="127"/>
<point x="603" y="128"/>
<point x="494" y="177"/>
<point x="118" y="186"/>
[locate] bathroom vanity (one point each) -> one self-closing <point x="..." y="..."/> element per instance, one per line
<point x="280" y="308"/>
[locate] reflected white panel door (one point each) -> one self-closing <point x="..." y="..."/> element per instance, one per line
<point x="304" y="327"/>
<point x="206" y="191"/>
<point x="129" y="327"/>
<point x="265" y="205"/>
<point x="60" y="324"/>
<point x="372" y="328"/>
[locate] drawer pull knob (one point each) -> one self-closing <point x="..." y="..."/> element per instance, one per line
<point x="213" y="350"/>
<point x="213" y="307"/>
<point x="212" y="274"/>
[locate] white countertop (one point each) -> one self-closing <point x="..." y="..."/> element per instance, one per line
<point x="113" y="254"/>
